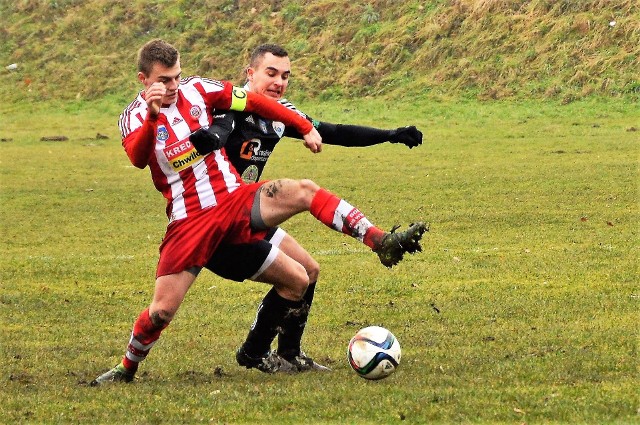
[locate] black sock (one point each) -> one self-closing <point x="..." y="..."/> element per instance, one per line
<point x="268" y="323"/>
<point x="290" y="338"/>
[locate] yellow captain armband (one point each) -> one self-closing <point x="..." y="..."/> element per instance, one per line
<point x="238" y="99"/>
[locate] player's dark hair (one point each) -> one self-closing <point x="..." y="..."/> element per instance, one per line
<point x="156" y="51"/>
<point x="259" y="52"/>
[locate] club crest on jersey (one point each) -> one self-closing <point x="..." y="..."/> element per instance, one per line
<point x="250" y="175"/>
<point x="162" y="134"/>
<point x="263" y="126"/>
<point x="278" y="127"/>
<point x="195" y="111"/>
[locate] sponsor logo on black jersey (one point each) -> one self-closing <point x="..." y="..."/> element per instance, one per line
<point x="250" y="148"/>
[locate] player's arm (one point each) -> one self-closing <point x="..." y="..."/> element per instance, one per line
<point x="242" y="100"/>
<point x="356" y="135"/>
<point x="273" y="110"/>
<point x="360" y="136"/>
<point x="214" y="137"/>
<point x="139" y="144"/>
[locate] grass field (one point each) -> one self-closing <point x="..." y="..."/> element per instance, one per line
<point x="523" y="307"/>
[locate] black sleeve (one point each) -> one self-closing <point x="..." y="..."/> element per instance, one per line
<point x="360" y="136"/>
<point x="352" y="135"/>
<point x="345" y="135"/>
<point x="214" y="137"/>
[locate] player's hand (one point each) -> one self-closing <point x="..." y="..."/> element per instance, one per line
<point x="409" y="136"/>
<point x="206" y="141"/>
<point x="153" y="95"/>
<point x="214" y="137"/>
<point x="313" y="141"/>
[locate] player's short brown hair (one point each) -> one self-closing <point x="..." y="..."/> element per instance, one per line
<point x="156" y="51"/>
<point x="259" y="52"/>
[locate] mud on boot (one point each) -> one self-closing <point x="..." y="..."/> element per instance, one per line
<point x="302" y="363"/>
<point x="270" y="362"/>
<point x="393" y="245"/>
<point x="117" y="374"/>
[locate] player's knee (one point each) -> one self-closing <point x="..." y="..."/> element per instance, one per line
<point x="303" y="193"/>
<point x="308" y="187"/>
<point x="291" y="283"/>
<point x="296" y="194"/>
<point x="313" y="270"/>
<point x="299" y="282"/>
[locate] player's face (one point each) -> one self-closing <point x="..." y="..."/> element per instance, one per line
<point x="169" y="76"/>
<point x="270" y="77"/>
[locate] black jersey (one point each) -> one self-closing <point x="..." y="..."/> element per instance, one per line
<point x="249" y="139"/>
<point x="253" y="140"/>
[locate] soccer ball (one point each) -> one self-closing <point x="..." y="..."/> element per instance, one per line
<point x="374" y="352"/>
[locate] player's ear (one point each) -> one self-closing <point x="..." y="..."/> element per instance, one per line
<point x="250" y="71"/>
<point x="141" y="77"/>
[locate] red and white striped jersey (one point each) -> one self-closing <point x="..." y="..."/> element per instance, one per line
<point x="189" y="181"/>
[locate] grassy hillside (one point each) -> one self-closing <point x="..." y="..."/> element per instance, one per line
<point x="564" y="49"/>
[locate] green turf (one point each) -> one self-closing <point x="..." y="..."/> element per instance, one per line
<point x="523" y="307"/>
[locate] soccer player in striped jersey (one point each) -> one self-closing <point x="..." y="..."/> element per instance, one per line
<point x="249" y="140"/>
<point x="207" y="201"/>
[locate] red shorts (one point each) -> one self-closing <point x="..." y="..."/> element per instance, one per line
<point x="192" y="241"/>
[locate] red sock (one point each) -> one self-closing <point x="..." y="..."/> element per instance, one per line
<point x="323" y="206"/>
<point x="373" y="237"/>
<point x="343" y="217"/>
<point x="144" y="335"/>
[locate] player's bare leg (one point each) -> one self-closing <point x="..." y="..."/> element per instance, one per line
<point x="169" y="292"/>
<point x="293" y="249"/>
<point x="284" y="198"/>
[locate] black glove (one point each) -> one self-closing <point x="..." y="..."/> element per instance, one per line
<point x="410" y="136"/>
<point x="209" y="139"/>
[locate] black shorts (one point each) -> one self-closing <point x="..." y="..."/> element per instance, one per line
<point x="239" y="262"/>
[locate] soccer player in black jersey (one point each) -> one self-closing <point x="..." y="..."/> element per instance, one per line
<point x="254" y="138"/>
<point x="249" y="140"/>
